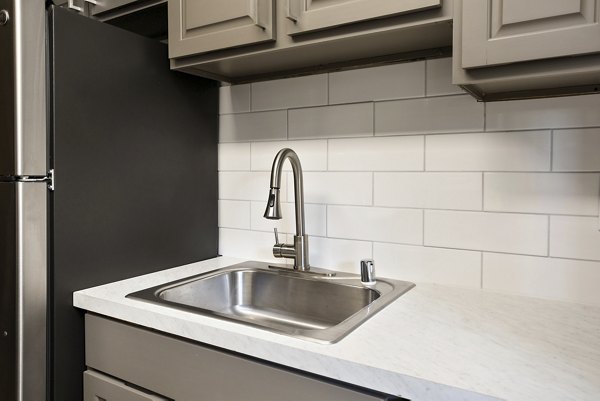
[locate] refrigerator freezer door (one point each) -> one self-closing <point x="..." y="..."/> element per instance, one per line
<point x="23" y="249"/>
<point x="135" y="158"/>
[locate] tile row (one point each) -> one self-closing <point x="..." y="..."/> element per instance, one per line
<point x="390" y="82"/>
<point x="544" y="277"/>
<point x="571" y="237"/>
<point x="560" y="151"/>
<point x="534" y="193"/>
<point x="445" y="114"/>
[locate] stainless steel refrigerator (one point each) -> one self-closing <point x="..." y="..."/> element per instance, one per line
<point x="108" y="170"/>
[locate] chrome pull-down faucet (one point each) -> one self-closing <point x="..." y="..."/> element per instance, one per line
<point x="299" y="250"/>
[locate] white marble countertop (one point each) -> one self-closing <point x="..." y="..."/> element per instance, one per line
<point x="434" y="343"/>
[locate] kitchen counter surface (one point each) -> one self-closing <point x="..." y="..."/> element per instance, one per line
<point x="434" y="343"/>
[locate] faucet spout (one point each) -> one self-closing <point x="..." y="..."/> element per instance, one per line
<point x="273" y="209"/>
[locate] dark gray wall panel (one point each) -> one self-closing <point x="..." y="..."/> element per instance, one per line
<point x="135" y="155"/>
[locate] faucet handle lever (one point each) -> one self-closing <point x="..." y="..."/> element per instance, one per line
<point x="276" y="236"/>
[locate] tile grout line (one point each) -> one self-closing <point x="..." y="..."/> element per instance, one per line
<point x="374" y="119"/>
<point x="373" y="189"/>
<point x="548" y="243"/>
<point x="328" y="90"/>
<point x="424" y="153"/>
<point x="483" y="191"/>
<point x="423" y="225"/>
<point x="250" y="90"/>
<point x="481" y="270"/>
<point x="426" y="65"/>
<point x="326" y="221"/>
<point x="551" y="150"/>
<point x="484" y="117"/>
<point x="327" y="154"/>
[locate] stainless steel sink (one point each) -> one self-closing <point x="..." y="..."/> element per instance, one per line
<point x="322" y="307"/>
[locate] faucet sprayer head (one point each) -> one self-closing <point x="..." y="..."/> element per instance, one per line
<point x="273" y="210"/>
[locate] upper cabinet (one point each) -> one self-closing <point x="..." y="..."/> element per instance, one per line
<point x="314" y="15"/>
<point x="508" y="31"/>
<point x="200" y="26"/>
<point x="246" y="40"/>
<point x="515" y="48"/>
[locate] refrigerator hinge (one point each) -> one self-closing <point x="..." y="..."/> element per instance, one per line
<point x="48" y="179"/>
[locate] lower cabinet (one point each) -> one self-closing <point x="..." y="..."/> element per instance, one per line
<point x="124" y="359"/>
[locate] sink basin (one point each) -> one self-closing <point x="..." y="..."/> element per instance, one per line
<point x="319" y="307"/>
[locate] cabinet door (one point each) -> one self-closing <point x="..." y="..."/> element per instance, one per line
<point x="97" y="387"/>
<point x="313" y="15"/>
<point x="507" y="31"/>
<point x="200" y="26"/>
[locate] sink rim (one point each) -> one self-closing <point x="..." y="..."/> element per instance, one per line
<point x="388" y="290"/>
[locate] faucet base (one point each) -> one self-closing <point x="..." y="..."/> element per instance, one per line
<point x="301" y="254"/>
<point x="314" y="271"/>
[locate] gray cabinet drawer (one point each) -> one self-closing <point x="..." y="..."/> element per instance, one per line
<point x="97" y="387"/>
<point x="187" y="371"/>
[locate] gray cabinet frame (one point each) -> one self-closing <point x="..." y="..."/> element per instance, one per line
<point x="314" y="15"/>
<point x="188" y="371"/>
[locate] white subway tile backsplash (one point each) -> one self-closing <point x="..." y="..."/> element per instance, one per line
<point x="403" y="226"/>
<point x="439" y="77"/>
<point x="575" y="237"/>
<point x="557" y="112"/>
<point x="336" y="188"/>
<point x="234" y="214"/>
<point x="553" y="193"/>
<point x="247" y="186"/>
<point x="286" y="93"/>
<point x="567" y="280"/>
<point x="396" y="81"/>
<point x="426" y="185"/>
<point x="234" y="99"/>
<point x="247" y="244"/>
<point x="377" y="154"/>
<point x="348" y="120"/>
<point x="462" y="191"/>
<point x="429" y="115"/>
<point x="270" y="125"/>
<point x="234" y="156"/>
<point x="428" y="265"/>
<point x="496" y="232"/>
<point x="314" y="215"/>
<point x="338" y="254"/>
<point x="312" y="154"/>
<point x="497" y="151"/>
<point x="576" y="150"/>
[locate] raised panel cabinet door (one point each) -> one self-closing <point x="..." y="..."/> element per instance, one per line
<point x="314" y="15"/>
<point x="98" y="387"/>
<point x="507" y="31"/>
<point x="200" y="26"/>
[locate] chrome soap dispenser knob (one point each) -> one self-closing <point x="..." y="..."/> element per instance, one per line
<point x="367" y="271"/>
